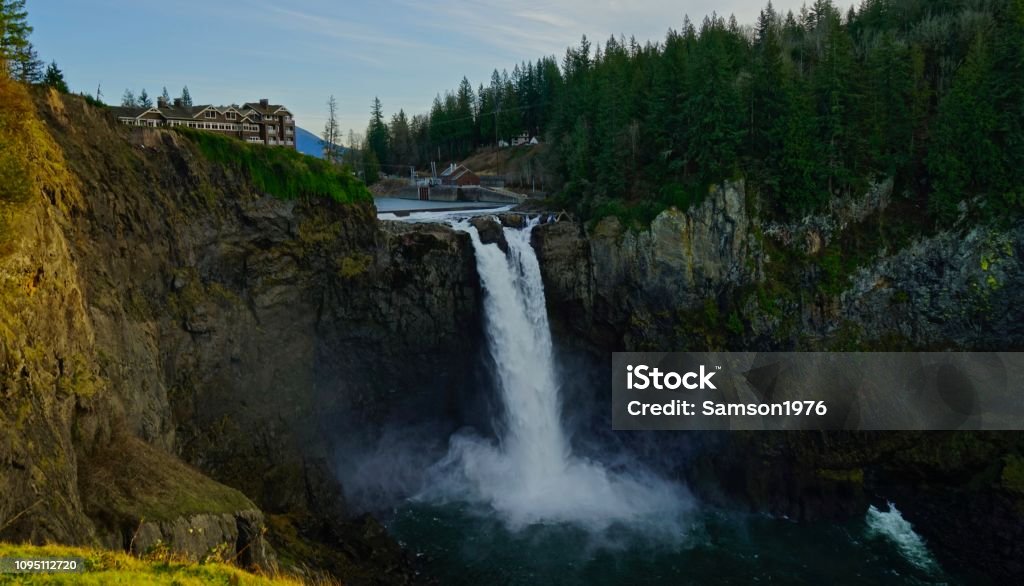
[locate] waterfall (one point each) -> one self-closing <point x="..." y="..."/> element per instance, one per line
<point x="530" y="474"/>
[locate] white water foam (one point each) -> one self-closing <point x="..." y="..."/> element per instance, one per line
<point x="892" y="526"/>
<point x="530" y="476"/>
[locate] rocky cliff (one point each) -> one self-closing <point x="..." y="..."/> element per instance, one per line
<point x="717" y="276"/>
<point x="169" y="332"/>
<point x="864" y="276"/>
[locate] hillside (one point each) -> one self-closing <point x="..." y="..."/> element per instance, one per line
<point x="522" y="166"/>
<point x="174" y="355"/>
<point x="309" y="143"/>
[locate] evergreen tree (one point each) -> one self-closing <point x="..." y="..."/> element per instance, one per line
<point x="28" y="68"/>
<point x="401" y="141"/>
<point x="14" y="33"/>
<point x="836" y="96"/>
<point x="128" y="99"/>
<point x="376" y="141"/>
<point x="55" y="78"/>
<point x="165" y="96"/>
<point x="965" y="158"/>
<point x="144" y="101"/>
<point x="767" y="104"/>
<point x="509" y="114"/>
<point x="713" y="133"/>
<point x="186" y="97"/>
<point x="463" y="117"/>
<point x="485" y="115"/>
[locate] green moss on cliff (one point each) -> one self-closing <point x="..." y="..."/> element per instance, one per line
<point x="354" y="265"/>
<point x="130" y="480"/>
<point x="1013" y="474"/>
<point x="851" y="476"/>
<point x="281" y="172"/>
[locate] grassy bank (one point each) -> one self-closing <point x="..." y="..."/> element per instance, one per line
<point x="281" y="172"/>
<point x="108" y="567"/>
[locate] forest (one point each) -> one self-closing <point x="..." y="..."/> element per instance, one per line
<point x="804" y="106"/>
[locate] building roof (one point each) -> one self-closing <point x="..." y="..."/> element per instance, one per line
<point x="129" y="112"/>
<point x="182" y="112"/>
<point x="265" y="109"/>
<point x="173" y="112"/>
<point x="455" y="172"/>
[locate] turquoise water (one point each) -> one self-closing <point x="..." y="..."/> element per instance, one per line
<point x="459" y="544"/>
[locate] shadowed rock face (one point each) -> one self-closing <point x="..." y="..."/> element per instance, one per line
<point x="155" y="295"/>
<point x="614" y="283"/>
<point x="717" y="277"/>
<point x="639" y="289"/>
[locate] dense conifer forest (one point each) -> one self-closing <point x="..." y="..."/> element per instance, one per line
<point x="804" y="105"/>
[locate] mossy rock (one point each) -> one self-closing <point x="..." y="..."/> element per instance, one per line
<point x="1013" y="474"/>
<point x="129" y="480"/>
<point x="354" y="265"/>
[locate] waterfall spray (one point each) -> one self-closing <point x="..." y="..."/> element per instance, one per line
<point x="530" y="475"/>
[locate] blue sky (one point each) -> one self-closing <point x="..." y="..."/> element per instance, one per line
<point x="298" y="52"/>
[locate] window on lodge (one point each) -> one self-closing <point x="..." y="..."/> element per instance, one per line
<point x="231" y="116"/>
<point x="210" y="114"/>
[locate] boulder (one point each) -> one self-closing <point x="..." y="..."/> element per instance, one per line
<point x="491" y="231"/>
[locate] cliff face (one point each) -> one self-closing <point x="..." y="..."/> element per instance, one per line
<point x="717" y="277"/>
<point x="622" y="288"/>
<point x="156" y="306"/>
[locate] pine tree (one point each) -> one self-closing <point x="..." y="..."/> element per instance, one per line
<point x="836" y="96"/>
<point x="464" y="131"/>
<point x="186" y="97"/>
<point x="144" y="100"/>
<point x="28" y="68"/>
<point x="376" y="141"/>
<point x="128" y="99"/>
<point x="55" y="78"/>
<point x="485" y="115"/>
<point x="766" y="104"/>
<point x="400" y="139"/>
<point x="713" y="132"/>
<point x="965" y="158"/>
<point x="14" y="33"/>
<point x="165" y="96"/>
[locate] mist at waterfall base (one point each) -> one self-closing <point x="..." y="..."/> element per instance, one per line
<point x="536" y="493"/>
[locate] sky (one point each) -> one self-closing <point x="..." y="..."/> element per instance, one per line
<point x="299" y="52"/>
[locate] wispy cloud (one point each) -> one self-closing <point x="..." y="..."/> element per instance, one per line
<point x="336" y="28"/>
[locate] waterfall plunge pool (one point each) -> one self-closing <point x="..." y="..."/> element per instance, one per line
<point x="523" y="508"/>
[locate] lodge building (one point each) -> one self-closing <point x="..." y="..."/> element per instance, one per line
<point x="255" y="122"/>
